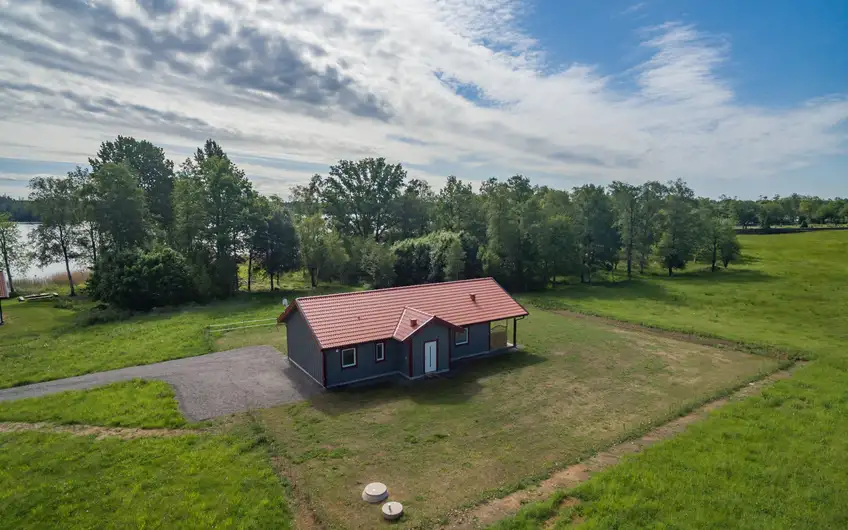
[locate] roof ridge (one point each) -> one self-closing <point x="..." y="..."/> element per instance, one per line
<point x="416" y="310"/>
<point x="407" y="287"/>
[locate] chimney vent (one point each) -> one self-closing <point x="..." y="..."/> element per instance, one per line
<point x="413" y="322"/>
<point x="473" y="297"/>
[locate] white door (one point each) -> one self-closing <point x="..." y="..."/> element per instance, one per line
<point x="431" y="352"/>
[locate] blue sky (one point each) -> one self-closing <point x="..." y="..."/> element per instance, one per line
<point x="742" y="98"/>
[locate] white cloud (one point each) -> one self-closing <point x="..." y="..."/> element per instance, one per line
<point x="314" y="81"/>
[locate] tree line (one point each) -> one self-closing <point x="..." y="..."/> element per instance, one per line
<point x="157" y="234"/>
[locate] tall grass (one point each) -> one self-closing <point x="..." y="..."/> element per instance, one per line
<point x="57" y="282"/>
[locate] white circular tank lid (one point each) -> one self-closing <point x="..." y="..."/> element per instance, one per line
<point x="375" y="492"/>
<point x="392" y="510"/>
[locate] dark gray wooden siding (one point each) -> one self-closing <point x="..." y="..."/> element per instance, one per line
<point x="431" y="332"/>
<point x="478" y="341"/>
<point x="366" y="363"/>
<point x="303" y="347"/>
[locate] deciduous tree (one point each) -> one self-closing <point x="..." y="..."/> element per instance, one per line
<point x="147" y="162"/>
<point x="13" y="251"/>
<point x="55" y="201"/>
<point x="360" y="197"/>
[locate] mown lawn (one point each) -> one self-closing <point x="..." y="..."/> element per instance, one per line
<point x="42" y="342"/>
<point x="138" y="403"/>
<point x="499" y="423"/>
<point x="193" y="481"/>
<point x="773" y="461"/>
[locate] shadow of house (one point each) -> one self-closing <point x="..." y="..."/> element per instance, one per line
<point x="450" y="388"/>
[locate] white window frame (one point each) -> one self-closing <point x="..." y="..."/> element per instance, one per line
<point x="456" y="341"/>
<point x="354" y="357"/>
<point x="379" y="352"/>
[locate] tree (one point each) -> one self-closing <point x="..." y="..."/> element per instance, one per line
<point x="118" y="204"/>
<point x="306" y="200"/>
<point x="454" y="257"/>
<point x="55" y="201"/>
<point x="141" y="280"/>
<point x="459" y="209"/>
<point x="719" y="239"/>
<point x="378" y="263"/>
<point x="681" y="227"/>
<point x="746" y="213"/>
<point x="729" y="249"/>
<point x="557" y="244"/>
<point x="597" y="239"/>
<point x="360" y="197"/>
<point x="626" y="202"/>
<point x="649" y="222"/>
<point x="226" y="196"/>
<point x="413" y="210"/>
<point x="154" y="172"/>
<point x="768" y="213"/>
<point x="12" y="249"/>
<point x="321" y="250"/>
<point x="277" y="244"/>
<point x="90" y="240"/>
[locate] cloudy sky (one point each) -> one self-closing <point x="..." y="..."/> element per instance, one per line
<point x="743" y="98"/>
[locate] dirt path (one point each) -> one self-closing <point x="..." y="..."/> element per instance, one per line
<point x="93" y="430"/>
<point x="629" y="326"/>
<point x="486" y="514"/>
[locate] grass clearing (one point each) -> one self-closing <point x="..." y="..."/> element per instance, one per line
<point x="137" y="403"/>
<point x="498" y="424"/>
<point x="772" y="461"/>
<point x="790" y="293"/>
<point x="193" y="481"/>
<point x="42" y="342"/>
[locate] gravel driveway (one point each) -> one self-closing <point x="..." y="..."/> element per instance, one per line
<point x="206" y="386"/>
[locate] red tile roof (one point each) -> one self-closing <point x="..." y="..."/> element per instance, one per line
<point x="364" y="316"/>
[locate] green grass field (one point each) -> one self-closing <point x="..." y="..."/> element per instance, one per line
<point x="193" y="481"/>
<point x="41" y="342"/>
<point x="773" y="461"/>
<point x="138" y="403"/>
<point x="498" y="425"/>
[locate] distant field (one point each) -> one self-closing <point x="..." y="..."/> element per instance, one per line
<point x="500" y="423"/>
<point x="791" y="292"/>
<point x="774" y="461"/>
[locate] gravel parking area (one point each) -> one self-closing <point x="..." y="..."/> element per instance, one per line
<point x="206" y="386"/>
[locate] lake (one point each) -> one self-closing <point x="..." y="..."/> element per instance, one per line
<point x="34" y="270"/>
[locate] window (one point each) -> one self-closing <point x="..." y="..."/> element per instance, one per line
<point x="462" y="336"/>
<point x="348" y="357"/>
<point x="380" y="351"/>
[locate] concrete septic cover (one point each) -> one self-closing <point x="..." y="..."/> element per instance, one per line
<point x="392" y="510"/>
<point x="375" y="492"/>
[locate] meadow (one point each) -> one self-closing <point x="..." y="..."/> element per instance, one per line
<point x="47" y="340"/>
<point x="771" y="461"/>
<point x="578" y="386"/>
<point x="495" y="425"/>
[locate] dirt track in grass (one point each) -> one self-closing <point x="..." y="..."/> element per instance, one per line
<point x="576" y="474"/>
<point x="94" y="430"/>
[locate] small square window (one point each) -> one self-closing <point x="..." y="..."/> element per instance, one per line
<point x="348" y="357"/>
<point x="380" y="351"/>
<point x="462" y="336"/>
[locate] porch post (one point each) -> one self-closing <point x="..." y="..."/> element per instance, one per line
<point x="514" y="332"/>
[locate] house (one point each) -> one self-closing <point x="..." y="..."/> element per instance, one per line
<point x="409" y="332"/>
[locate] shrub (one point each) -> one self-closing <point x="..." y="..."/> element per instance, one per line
<point x="141" y="280"/>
